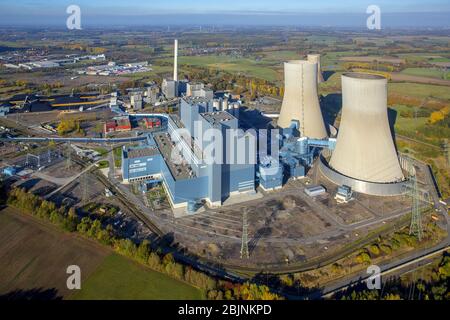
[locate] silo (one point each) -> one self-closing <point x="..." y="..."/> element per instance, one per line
<point x="315" y="58"/>
<point x="301" y="101"/>
<point x="302" y="145"/>
<point x="365" y="149"/>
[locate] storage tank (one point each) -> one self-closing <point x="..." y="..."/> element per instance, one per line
<point x="302" y="145"/>
<point x="301" y="101"/>
<point x="365" y="148"/>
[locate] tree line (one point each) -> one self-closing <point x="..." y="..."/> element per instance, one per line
<point x="434" y="287"/>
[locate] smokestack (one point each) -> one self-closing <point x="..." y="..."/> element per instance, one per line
<point x="365" y="148"/>
<point x="301" y="100"/>
<point x="175" y="61"/>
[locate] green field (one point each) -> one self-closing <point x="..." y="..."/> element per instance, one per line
<point x="156" y="71"/>
<point x="441" y="59"/>
<point x="103" y="152"/>
<point x="420" y="90"/>
<point x="409" y="124"/>
<point x="35" y="256"/>
<point x="250" y="67"/>
<point x="332" y="58"/>
<point x="280" y="56"/>
<point x="121" y="279"/>
<point x="103" y="164"/>
<point x="117" y="157"/>
<point x="427" y="72"/>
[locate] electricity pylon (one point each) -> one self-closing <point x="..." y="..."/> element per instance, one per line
<point x="416" y="214"/>
<point x="244" y="245"/>
<point x="84" y="186"/>
<point x="68" y="157"/>
<point x="446" y="149"/>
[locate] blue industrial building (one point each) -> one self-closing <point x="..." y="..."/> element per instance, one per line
<point x="141" y="163"/>
<point x="180" y="157"/>
<point x="4" y="109"/>
<point x="9" y="171"/>
<point x="194" y="176"/>
<point x="270" y="173"/>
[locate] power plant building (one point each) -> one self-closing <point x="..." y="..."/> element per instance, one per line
<point x="169" y="88"/>
<point x="180" y="159"/>
<point x="152" y="93"/>
<point x="136" y="101"/>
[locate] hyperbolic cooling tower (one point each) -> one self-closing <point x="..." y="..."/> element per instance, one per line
<point x="301" y="101"/>
<point x="315" y="58"/>
<point x="365" y="149"/>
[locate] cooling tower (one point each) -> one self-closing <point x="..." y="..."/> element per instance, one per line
<point x="315" y="58"/>
<point x="365" y="150"/>
<point x="301" y="101"/>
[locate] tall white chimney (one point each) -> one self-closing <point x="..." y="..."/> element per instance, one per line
<point x="175" y="61"/>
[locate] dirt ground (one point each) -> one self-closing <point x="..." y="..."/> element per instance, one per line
<point x="284" y="224"/>
<point x="35" y="257"/>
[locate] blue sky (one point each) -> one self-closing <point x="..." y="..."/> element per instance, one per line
<point x="210" y="11"/>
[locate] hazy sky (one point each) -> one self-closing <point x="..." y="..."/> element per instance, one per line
<point x="314" y="12"/>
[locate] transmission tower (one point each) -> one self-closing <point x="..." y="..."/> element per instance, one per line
<point x="416" y="214"/>
<point x="32" y="156"/>
<point x="84" y="186"/>
<point x="244" y="246"/>
<point x="446" y="149"/>
<point x="68" y="156"/>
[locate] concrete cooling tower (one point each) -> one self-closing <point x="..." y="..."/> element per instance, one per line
<point x="365" y="157"/>
<point x="315" y="58"/>
<point x="301" y="101"/>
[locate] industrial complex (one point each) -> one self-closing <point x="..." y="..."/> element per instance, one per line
<point x="224" y="151"/>
<point x="195" y="171"/>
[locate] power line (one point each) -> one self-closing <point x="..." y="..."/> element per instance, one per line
<point x="446" y="149"/>
<point x="244" y="245"/>
<point x="84" y="186"/>
<point x="415" y="228"/>
<point x="68" y="156"/>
